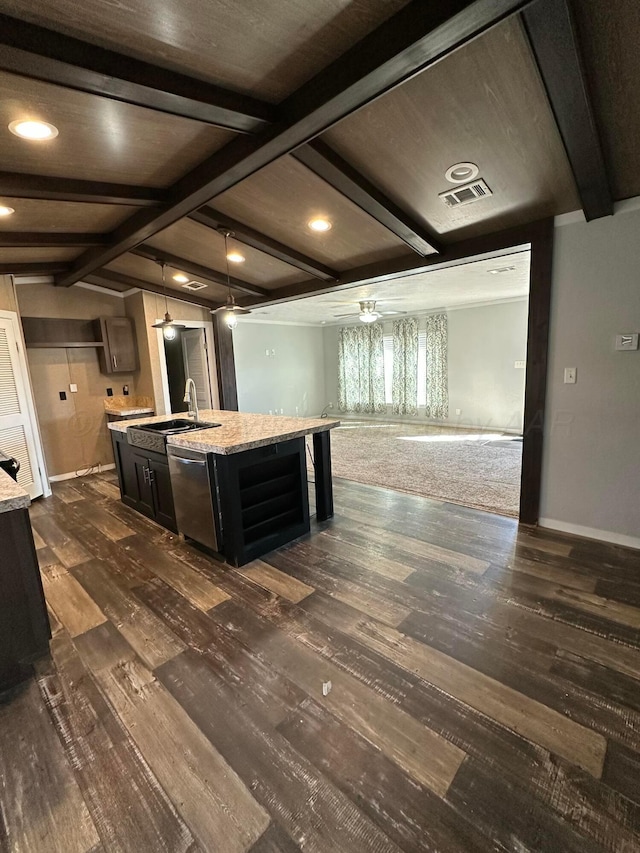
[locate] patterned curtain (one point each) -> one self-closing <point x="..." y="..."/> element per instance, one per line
<point x="437" y="373"/>
<point x="405" y="366"/>
<point x="361" y="369"/>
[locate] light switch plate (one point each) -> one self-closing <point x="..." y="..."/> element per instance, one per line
<point x="520" y="365"/>
<point x="628" y="341"/>
<point x="570" y="375"/>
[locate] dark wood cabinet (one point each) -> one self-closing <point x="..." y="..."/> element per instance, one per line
<point x="119" y="353"/>
<point x="24" y="624"/>
<point x="145" y="484"/>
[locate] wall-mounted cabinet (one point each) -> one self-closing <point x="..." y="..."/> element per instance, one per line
<point x="119" y="353"/>
<point x="113" y="337"/>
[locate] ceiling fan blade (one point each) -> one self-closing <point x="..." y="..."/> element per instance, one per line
<point x="342" y="316"/>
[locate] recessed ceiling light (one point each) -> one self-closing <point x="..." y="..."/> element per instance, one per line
<point x="320" y="225"/>
<point x="460" y="173"/>
<point x="37" y="130"/>
<point x="235" y="257"/>
<point x="6" y="211"/>
<point x="181" y="277"/>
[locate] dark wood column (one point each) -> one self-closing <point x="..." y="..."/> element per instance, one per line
<point x="536" y="380"/>
<point x="225" y="364"/>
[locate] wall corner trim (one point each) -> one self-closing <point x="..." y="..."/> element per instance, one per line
<point x="591" y="533"/>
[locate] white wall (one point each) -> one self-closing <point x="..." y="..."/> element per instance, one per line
<point x="292" y="379"/>
<point x="591" y="464"/>
<point x="484" y="344"/>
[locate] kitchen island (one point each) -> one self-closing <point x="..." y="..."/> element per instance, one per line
<point x="238" y="488"/>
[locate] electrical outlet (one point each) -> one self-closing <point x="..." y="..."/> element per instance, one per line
<point x="330" y="406"/>
<point x="570" y="375"/>
<point x="63" y="395"/>
<point x="266" y="352"/>
<point x="458" y="411"/>
<point x="627" y="342"/>
<point x="109" y="392"/>
<point x="73" y="388"/>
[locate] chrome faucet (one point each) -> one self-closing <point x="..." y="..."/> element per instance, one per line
<point x="191" y="397"/>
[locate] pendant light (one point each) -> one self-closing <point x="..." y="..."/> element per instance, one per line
<point x="168" y="325"/>
<point x="230" y="311"/>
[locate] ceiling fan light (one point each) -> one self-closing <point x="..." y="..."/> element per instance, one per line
<point x="369" y="317"/>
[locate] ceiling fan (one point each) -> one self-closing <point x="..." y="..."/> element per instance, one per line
<point x="368" y="313"/>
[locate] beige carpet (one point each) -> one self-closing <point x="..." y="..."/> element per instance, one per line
<point x="476" y="469"/>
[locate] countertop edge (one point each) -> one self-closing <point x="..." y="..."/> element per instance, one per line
<point x="12" y="496"/>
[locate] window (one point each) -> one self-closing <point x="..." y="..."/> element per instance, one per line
<point x="422" y="368"/>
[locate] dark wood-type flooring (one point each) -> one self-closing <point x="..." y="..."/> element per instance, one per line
<point x="481" y="687"/>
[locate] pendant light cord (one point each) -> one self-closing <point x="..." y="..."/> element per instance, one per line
<point x="164" y="288"/>
<point x="226" y="257"/>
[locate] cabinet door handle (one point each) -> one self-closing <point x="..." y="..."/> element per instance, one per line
<point x="114" y="358"/>
<point x="151" y="476"/>
<point x="145" y="474"/>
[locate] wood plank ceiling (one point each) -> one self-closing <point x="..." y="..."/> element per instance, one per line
<point x="261" y="116"/>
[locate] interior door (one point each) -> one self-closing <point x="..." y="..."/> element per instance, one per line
<point x="17" y="435"/>
<point x="196" y="365"/>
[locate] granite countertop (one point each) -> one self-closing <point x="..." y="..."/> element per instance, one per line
<point x="138" y="410"/>
<point x="12" y="496"/>
<point x="125" y="405"/>
<point x="238" y="431"/>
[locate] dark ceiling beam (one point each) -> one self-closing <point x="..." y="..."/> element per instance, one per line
<point x="42" y="54"/>
<point x="250" y="237"/>
<point x="35" y="268"/>
<point x="39" y="239"/>
<point x="464" y="251"/>
<point x="46" y="188"/>
<point x="102" y="278"/>
<point x="327" y="164"/>
<point x="152" y="253"/>
<point x="553" y="38"/>
<point x="410" y="41"/>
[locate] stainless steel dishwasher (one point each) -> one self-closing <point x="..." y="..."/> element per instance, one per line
<point x="195" y="496"/>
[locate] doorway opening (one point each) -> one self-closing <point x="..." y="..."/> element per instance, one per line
<point x="430" y="395"/>
<point x="188" y="355"/>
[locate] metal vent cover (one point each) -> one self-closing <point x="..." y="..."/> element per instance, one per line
<point x="474" y="191"/>
<point x="194" y="285"/>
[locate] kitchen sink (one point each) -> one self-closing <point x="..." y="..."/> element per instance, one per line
<point x="175" y="425"/>
<point x="154" y="436"/>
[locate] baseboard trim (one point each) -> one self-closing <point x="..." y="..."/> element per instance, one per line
<point x="57" y="478"/>
<point x="591" y="533"/>
<point x="420" y="420"/>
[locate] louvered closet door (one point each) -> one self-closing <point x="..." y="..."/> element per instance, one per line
<point x="16" y="432"/>
<point x="195" y="364"/>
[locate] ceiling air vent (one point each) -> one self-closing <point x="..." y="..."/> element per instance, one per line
<point x="465" y="195"/>
<point x="194" y="285"/>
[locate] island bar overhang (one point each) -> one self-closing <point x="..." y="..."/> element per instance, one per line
<point x="258" y="477"/>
